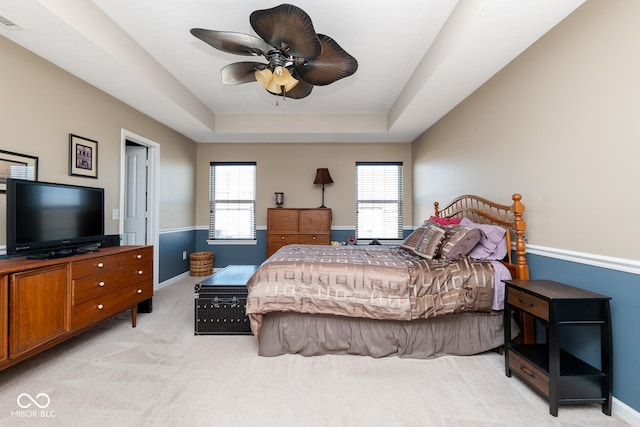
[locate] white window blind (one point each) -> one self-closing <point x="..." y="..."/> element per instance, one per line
<point x="232" y="200"/>
<point x="379" y="200"/>
<point x="22" y="172"/>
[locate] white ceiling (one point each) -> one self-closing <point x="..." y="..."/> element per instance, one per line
<point x="417" y="60"/>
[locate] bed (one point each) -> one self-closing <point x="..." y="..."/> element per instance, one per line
<point x="439" y="292"/>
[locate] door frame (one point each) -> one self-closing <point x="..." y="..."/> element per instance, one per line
<point x="153" y="200"/>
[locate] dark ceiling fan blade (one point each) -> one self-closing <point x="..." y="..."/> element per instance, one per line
<point x="240" y="72"/>
<point x="287" y="28"/>
<point x="299" y="91"/>
<point x="232" y="42"/>
<point x="332" y="64"/>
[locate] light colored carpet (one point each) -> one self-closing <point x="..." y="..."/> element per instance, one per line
<point x="160" y="374"/>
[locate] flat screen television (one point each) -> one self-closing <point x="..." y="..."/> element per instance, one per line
<point x="48" y="220"/>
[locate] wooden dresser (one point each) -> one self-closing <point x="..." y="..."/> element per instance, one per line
<point x="286" y="226"/>
<point x="45" y="302"/>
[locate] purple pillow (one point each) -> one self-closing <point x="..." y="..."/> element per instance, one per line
<point x="493" y="245"/>
<point x="459" y="240"/>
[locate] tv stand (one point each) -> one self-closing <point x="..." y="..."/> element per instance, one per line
<point x="44" y="302"/>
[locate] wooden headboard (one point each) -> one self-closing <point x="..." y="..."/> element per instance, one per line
<point x="483" y="211"/>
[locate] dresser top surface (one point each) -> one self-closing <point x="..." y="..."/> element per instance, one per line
<point x="22" y="263"/>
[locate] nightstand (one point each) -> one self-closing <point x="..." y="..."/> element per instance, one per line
<point x="558" y="375"/>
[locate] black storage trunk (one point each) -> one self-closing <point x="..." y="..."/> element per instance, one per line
<point x="220" y="305"/>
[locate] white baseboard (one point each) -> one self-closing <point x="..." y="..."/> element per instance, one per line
<point x="172" y="280"/>
<point x="625" y="412"/>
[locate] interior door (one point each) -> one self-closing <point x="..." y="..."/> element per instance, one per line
<point x="135" y="200"/>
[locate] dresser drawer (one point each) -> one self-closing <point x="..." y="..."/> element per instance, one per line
<point x="529" y="303"/>
<point x="110" y="304"/>
<point x="314" y="239"/>
<point x="134" y="273"/>
<point x="96" y="265"/>
<point x="95" y="285"/>
<point x="282" y="239"/>
<point x="139" y="255"/>
<point x="527" y="371"/>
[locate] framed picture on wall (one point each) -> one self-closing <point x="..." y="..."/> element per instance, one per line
<point x="15" y="165"/>
<point x="83" y="156"/>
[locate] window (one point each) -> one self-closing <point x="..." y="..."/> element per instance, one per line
<point x="379" y="200"/>
<point x="232" y="201"/>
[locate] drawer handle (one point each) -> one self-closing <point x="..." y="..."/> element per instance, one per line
<point x="140" y="272"/>
<point x="314" y="237"/>
<point x="100" y="306"/>
<point x="139" y="291"/>
<point x="527" y="371"/>
<point x="282" y="237"/>
<point x="527" y="303"/>
<point x="139" y="256"/>
<point x="101" y="284"/>
<point x="100" y="265"/>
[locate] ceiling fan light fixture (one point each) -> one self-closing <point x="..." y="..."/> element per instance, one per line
<point x="264" y="77"/>
<point x="275" y="81"/>
<point x="266" y="80"/>
<point x="281" y="75"/>
<point x="274" y="88"/>
<point x="290" y="84"/>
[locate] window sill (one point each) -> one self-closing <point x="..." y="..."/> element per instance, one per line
<point x="232" y="242"/>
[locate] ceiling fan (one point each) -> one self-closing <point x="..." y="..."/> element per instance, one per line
<point x="298" y="58"/>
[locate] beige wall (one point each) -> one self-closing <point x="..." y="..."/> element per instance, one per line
<point x="291" y="168"/>
<point x="561" y="125"/>
<point x="42" y="104"/>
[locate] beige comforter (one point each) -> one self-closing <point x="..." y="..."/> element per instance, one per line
<point x="378" y="282"/>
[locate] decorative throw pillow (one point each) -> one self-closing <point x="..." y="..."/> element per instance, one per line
<point x="493" y="245"/>
<point x="413" y="239"/>
<point x="445" y="221"/>
<point x="459" y="241"/>
<point x="431" y="240"/>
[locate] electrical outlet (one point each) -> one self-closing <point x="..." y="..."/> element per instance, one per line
<point x="184" y="255"/>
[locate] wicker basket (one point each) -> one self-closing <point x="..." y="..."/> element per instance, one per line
<point x="201" y="264"/>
